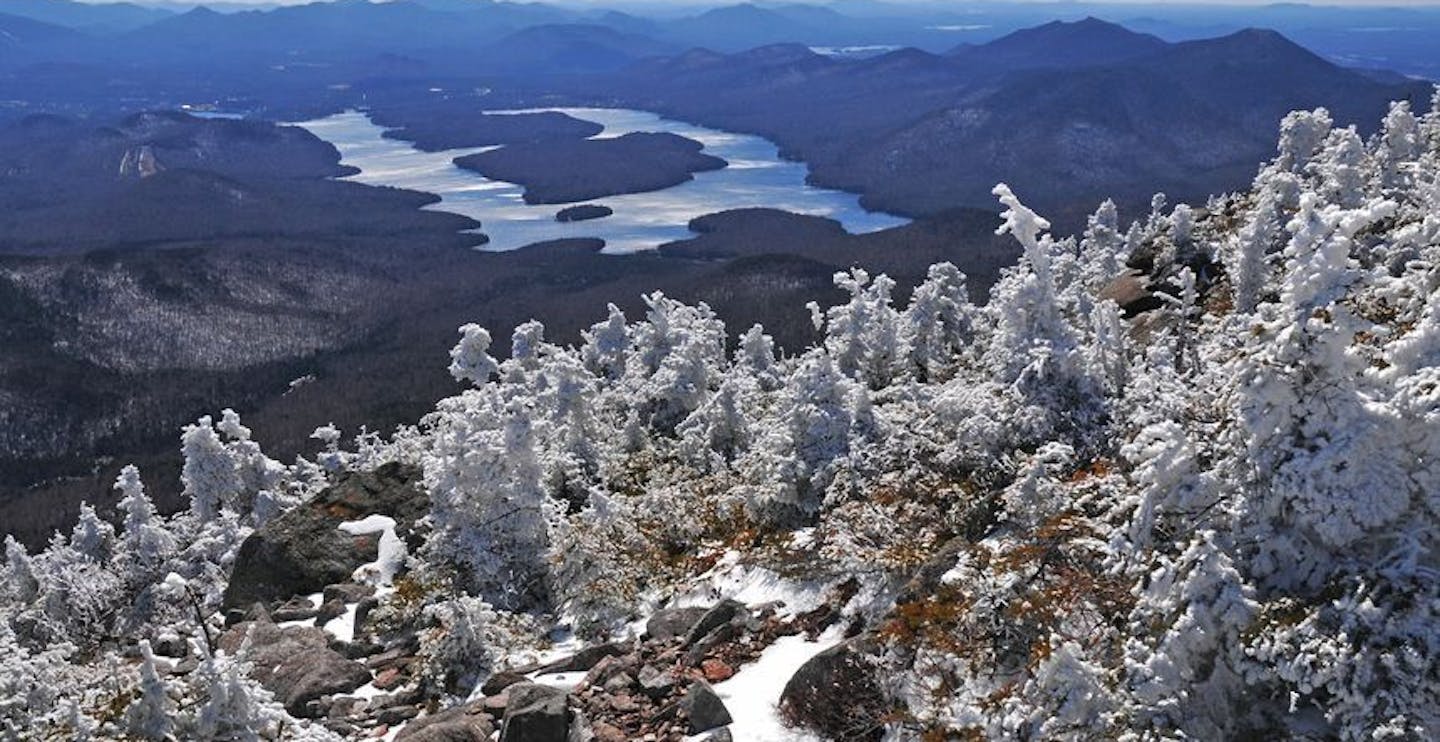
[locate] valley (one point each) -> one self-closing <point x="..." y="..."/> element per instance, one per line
<point x="156" y="261"/>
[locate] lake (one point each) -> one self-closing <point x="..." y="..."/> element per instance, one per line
<point x="756" y="177"/>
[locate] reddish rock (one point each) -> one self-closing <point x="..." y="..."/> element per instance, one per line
<point x="716" y="670"/>
<point x="608" y="733"/>
<point x="624" y="704"/>
<point x="389" y="679"/>
<point x="496" y="704"/>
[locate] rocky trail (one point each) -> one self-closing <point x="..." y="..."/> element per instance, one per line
<point x="716" y="671"/>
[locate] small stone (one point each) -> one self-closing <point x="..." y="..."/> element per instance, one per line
<point x="620" y="682"/>
<point x="608" y="733"/>
<point x="295" y="609"/>
<point x="723" y="613"/>
<point x="360" y="649"/>
<point x="624" y="703"/>
<point x="500" y="681"/>
<point x="347" y="592"/>
<point x="362" y="611"/>
<point x="389" y="679"/>
<point x="397" y="714"/>
<point x="329" y="610"/>
<point x="185" y="666"/>
<point x="380" y="731"/>
<point x="495" y="705"/>
<point x="388" y="658"/>
<point x="668" y="623"/>
<point x="656" y="683"/>
<point x="716" y="670"/>
<point x="171" y="645"/>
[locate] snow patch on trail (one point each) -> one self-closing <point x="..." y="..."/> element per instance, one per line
<point x="342" y="627"/>
<point x="753" y="586"/>
<point x="753" y="694"/>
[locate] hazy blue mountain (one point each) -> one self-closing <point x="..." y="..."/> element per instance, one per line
<point x="569" y="49"/>
<point x="95" y="17"/>
<point x="919" y="133"/>
<point x="1060" y="44"/>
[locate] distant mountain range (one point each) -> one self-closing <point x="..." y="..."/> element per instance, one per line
<point x="1067" y="111"/>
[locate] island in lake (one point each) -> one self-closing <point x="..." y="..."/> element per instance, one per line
<point x="432" y="129"/>
<point x="583" y="212"/>
<point x="571" y="171"/>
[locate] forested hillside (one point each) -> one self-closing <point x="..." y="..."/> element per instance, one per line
<point x="1179" y="478"/>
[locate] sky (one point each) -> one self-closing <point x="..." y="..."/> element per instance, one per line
<point x="1356" y="3"/>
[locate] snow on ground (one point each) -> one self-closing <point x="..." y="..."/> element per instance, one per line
<point x="391" y="557"/>
<point x="566" y="681"/>
<point x="315" y="599"/>
<point x="752" y="694"/>
<point x="342" y="627"/>
<point x="751" y="585"/>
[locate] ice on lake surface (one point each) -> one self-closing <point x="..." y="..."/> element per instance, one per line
<point x="756" y="177"/>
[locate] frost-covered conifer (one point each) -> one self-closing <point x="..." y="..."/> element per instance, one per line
<point x="470" y="359"/>
<point x="938" y="325"/>
<point x="1399" y="146"/>
<point x="92" y="538"/>
<point x="863" y="335"/>
<point x="149" y="716"/>
<point x="1301" y="135"/>
<point x="209" y="476"/>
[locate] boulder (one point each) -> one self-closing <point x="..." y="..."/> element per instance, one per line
<point x="295" y="663"/>
<point x="668" y="623"/>
<point x="704" y="708"/>
<point x="467" y="723"/>
<point x="836" y="693"/>
<point x="535" y="713"/>
<point x="303" y="550"/>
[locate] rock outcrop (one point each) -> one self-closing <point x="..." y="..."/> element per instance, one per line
<point x="303" y="551"/>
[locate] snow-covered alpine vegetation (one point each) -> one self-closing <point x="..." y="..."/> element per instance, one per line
<point x="1175" y="480"/>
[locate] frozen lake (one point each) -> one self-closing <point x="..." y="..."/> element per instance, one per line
<point x="756" y="177"/>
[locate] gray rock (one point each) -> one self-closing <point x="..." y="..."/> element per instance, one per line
<point x="500" y="681"/>
<point x="171" y="645"/>
<point x="348" y="592"/>
<point x="362" y="612"/>
<point x="467" y="723"/>
<point x="836" y="693"/>
<point x="722" y="613"/>
<point x="303" y="550"/>
<point x="656" y="683"/>
<point x="535" y="713"/>
<point x="396" y="714"/>
<point x="721" y="635"/>
<point x="587" y="658"/>
<point x="295" y="663"/>
<point x="668" y="623"/>
<point x="704" y="708"/>
<point x="295" y="609"/>
<point x="331" y="609"/>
